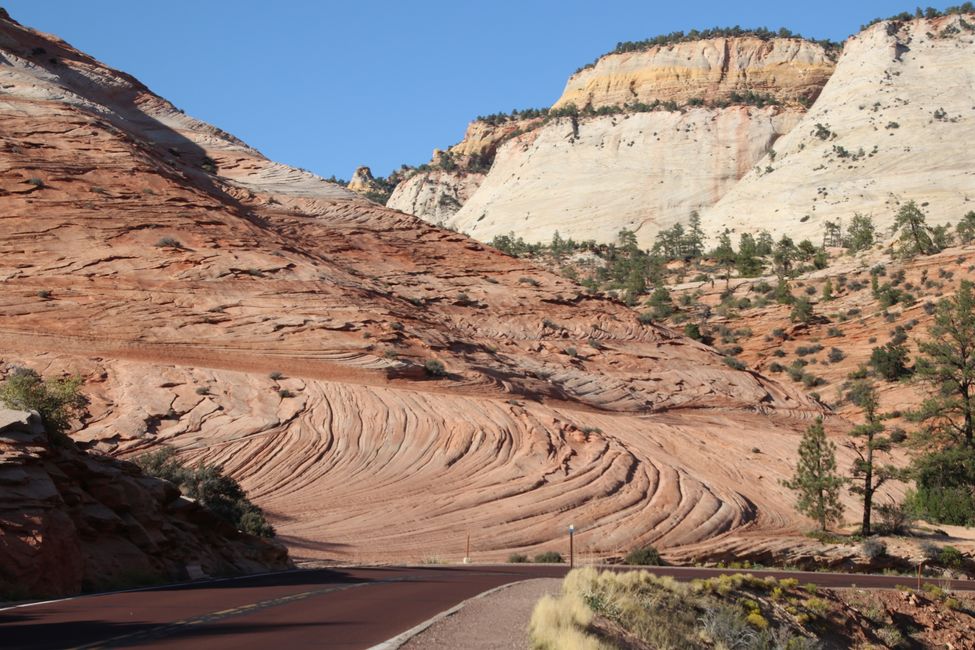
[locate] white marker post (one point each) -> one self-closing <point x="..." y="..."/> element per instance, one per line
<point x="572" y="557"/>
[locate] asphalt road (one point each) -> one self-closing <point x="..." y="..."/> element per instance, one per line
<point x="320" y="608"/>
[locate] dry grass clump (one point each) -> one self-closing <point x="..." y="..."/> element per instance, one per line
<point x="637" y="609"/>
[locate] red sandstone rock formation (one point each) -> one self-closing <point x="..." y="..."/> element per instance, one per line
<point x="256" y="316"/>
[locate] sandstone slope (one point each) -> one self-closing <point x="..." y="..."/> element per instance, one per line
<point x="253" y="315"/>
<point x="893" y="124"/>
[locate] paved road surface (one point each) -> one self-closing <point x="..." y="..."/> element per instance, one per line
<point x="320" y="608"/>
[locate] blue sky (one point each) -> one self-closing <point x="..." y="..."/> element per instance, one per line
<point x="330" y="85"/>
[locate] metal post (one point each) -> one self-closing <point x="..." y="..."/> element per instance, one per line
<point x="572" y="556"/>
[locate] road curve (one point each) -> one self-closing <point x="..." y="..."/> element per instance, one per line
<point x="333" y="608"/>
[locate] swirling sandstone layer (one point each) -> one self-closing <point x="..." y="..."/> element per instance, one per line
<point x="253" y="315"/>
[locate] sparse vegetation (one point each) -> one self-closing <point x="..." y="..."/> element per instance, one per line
<point x="58" y="400"/>
<point x="213" y="489"/>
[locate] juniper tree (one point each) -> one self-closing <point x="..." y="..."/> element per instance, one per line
<point x="816" y="480"/>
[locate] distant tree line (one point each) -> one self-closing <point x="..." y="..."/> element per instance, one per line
<point x="930" y="12"/>
<point x="672" y="38"/>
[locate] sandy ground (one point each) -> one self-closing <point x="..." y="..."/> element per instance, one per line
<point x="497" y="621"/>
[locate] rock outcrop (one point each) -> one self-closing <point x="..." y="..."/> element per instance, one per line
<point x="788" y="69"/>
<point x="379" y="386"/>
<point x="893" y="124"/>
<point x="588" y="177"/>
<point x="70" y="520"/>
<point x="436" y="194"/>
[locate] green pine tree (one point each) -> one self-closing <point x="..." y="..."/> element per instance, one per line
<point x="867" y="440"/>
<point x="816" y="480"/>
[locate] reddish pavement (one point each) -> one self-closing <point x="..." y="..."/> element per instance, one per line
<point x="347" y="608"/>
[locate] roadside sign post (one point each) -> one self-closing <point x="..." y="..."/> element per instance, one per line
<point x="572" y="556"/>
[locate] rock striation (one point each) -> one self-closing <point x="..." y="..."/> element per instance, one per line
<point x="788" y="69"/>
<point x="70" y="521"/>
<point x="379" y="386"/>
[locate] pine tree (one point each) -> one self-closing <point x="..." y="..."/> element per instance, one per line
<point x="815" y="479"/>
<point x="748" y="262"/>
<point x="867" y="475"/>
<point x="694" y="246"/>
<point x="725" y="255"/>
<point x="947" y="364"/>
<point x="915" y="236"/>
<point x="860" y="234"/>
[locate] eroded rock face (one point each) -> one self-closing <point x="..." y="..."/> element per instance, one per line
<point x="71" y="521"/>
<point x="253" y="315"/>
<point x="436" y="196"/>
<point x="788" y="69"/>
<point x="893" y="124"/>
<point x="588" y="179"/>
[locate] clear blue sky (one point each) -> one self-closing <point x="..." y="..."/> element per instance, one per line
<point x="329" y="85"/>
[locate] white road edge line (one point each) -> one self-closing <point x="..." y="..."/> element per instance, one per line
<point x="36" y="603"/>
<point x="397" y="641"/>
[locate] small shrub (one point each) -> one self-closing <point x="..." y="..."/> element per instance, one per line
<point x="435" y="368"/>
<point x="44" y="294"/>
<point x="951" y="557"/>
<point x="35" y="181"/>
<point x="835" y="355"/>
<point x="221" y="494"/>
<point x="517" y="558"/>
<point x="276" y="375"/>
<point x="169" y="242"/>
<point x="202" y="390"/>
<point x="549" y="557"/>
<point x="284" y="393"/>
<point x="891" y="636"/>
<point x="873" y="549"/>
<point x="57" y="401"/>
<point x="737" y="364"/>
<point x="646" y="556"/>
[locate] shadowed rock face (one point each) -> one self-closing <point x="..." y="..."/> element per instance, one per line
<point x="70" y="520"/>
<point x="253" y="315"/>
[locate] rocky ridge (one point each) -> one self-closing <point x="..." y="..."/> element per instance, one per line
<point x="789" y="70"/>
